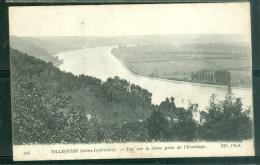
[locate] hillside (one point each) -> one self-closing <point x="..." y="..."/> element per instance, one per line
<point x="113" y="100"/>
<point x="36" y="48"/>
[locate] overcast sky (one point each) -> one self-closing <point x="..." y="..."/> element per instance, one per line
<point x="111" y="20"/>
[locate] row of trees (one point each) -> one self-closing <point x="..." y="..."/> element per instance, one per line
<point x="220" y="77"/>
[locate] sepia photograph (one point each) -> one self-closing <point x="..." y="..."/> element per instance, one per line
<point x="131" y="81"/>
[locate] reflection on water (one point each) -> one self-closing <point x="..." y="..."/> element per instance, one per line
<point x="100" y="63"/>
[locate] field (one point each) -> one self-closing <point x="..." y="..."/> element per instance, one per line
<point x="178" y="63"/>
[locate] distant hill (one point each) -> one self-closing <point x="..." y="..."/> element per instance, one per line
<point x="35" y="47"/>
<point x="53" y="45"/>
<point x="177" y="39"/>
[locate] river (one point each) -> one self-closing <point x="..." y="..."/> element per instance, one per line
<point x="101" y="63"/>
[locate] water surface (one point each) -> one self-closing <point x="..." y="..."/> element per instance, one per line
<point x="99" y="62"/>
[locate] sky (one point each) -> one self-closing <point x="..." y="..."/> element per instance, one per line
<point x="120" y="20"/>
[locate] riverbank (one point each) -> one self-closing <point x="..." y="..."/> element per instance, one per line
<point x="126" y="66"/>
<point x="101" y="63"/>
<point x="193" y="67"/>
<point x="175" y="80"/>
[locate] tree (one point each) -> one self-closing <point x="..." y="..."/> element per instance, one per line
<point x="222" y="77"/>
<point x="226" y="120"/>
<point x="157" y="126"/>
<point x="185" y="128"/>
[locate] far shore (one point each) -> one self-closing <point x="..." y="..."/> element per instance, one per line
<point x="155" y="78"/>
<point x="176" y="81"/>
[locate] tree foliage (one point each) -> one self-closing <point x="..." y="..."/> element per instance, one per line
<point x="226" y="120"/>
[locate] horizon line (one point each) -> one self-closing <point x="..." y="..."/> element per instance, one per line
<point x="131" y="35"/>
